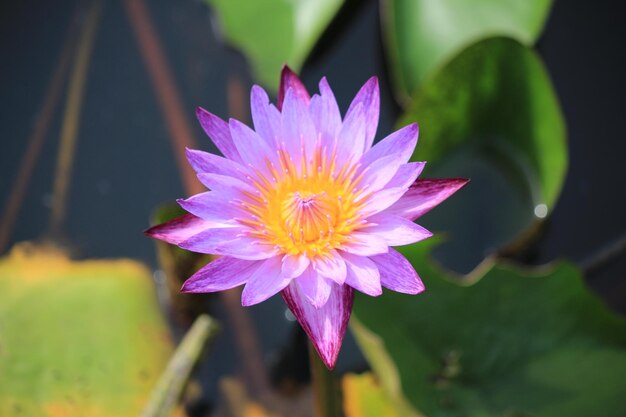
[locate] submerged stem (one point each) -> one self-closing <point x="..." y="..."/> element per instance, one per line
<point x="326" y="388"/>
<point x="170" y="386"/>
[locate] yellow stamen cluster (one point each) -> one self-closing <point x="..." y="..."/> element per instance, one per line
<point x="309" y="209"/>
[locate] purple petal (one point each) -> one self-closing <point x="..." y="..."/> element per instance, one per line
<point x="264" y="282"/>
<point x="402" y="141"/>
<point x="314" y="287"/>
<point x="369" y="97"/>
<point x="325" y="114"/>
<point x="207" y="162"/>
<point x="396" y="230"/>
<point x="294" y="265"/>
<point x="179" y="229"/>
<point x="327" y="325"/>
<point x="382" y="200"/>
<point x="208" y="240"/>
<point x="254" y="151"/>
<point x="299" y="133"/>
<point x="244" y="247"/>
<point x="378" y="174"/>
<point x="397" y="274"/>
<point x="229" y="241"/>
<point x="332" y="267"/>
<point x="226" y="186"/>
<point x="351" y="136"/>
<point x="365" y="244"/>
<point x="220" y="274"/>
<point x="425" y="194"/>
<point x="266" y="117"/>
<point x="288" y="79"/>
<point x="362" y="274"/>
<point x="406" y="175"/>
<point x="212" y="207"/>
<point x="218" y="131"/>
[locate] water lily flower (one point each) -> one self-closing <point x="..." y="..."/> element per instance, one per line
<point x="304" y="205"/>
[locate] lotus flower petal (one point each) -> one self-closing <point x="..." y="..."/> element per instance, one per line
<point x="325" y="326"/>
<point x="221" y="274"/>
<point x="218" y="131"/>
<point x="397" y="274"/>
<point x="264" y="282"/>
<point x="368" y="98"/>
<point x="179" y="229"/>
<point x="424" y="195"/>
<point x="289" y="80"/>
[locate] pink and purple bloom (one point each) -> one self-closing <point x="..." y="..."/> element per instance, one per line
<point x="307" y="206"/>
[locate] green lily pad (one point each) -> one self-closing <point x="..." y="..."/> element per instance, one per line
<point x="491" y="115"/>
<point x="77" y="338"/>
<point x="274" y="32"/>
<point x="422" y="35"/>
<point x="516" y="342"/>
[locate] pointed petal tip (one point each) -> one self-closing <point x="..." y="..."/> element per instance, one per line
<point x="373" y="81"/>
<point x="425" y="194"/>
<point x="326" y="353"/>
<point x="245" y="302"/>
<point x="326" y="326"/>
<point x="410" y="129"/>
<point x="201" y="111"/>
<point x="258" y="91"/>
<point x="178" y="229"/>
<point x="149" y="231"/>
<point x="237" y="124"/>
<point x="377" y="293"/>
<point x="414" y="127"/>
<point x="329" y="358"/>
<point x="185" y="288"/>
<point x="286" y="70"/>
<point x="290" y="80"/>
<point x="453" y="184"/>
<point x="189" y="152"/>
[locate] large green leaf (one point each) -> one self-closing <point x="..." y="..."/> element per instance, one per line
<point x="491" y="115"/>
<point x="496" y="99"/>
<point x="421" y="35"/>
<point x="82" y="339"/>
<point x="515" y="343"/>
<point x="274" y="32"/>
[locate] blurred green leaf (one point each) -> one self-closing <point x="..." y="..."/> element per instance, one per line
<point x="77" y="338"/>
<point x="516" y="342"/>
<point x="274" y="32"/>
<point x="491" y="115"/>
<point x="495" y="100"/>
<point x="363" y="397"/>
<point x="421" y="35"/>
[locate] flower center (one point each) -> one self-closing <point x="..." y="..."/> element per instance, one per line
<point x="309" y="216"/>
<point x="309" y="209"/>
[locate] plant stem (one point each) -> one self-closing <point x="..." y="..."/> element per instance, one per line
<point x="170" y="386"/>
<point x="326" y="388"/>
